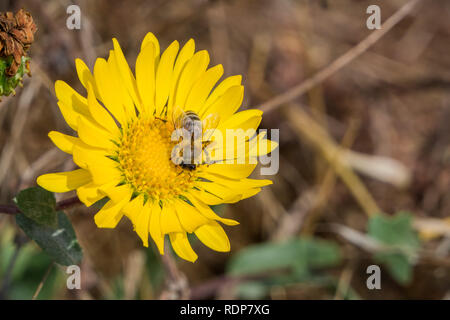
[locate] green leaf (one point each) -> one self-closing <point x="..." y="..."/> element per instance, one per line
<point x="297" y="255"/>
<point x="38" y="205"/>
<point x="263" y="257"/>
<point x="399" y="266"/>
<point x="60" y="243"/>
<point x="297" y="258"/>
<point x="401" y="240"/>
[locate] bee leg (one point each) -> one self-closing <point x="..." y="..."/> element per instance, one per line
<point x="197" y="156"/>
<point x="163" y="120"/>
<point x="164" y="110"/>
<point x="175" y="155"/>
<point x="207" y="156"/>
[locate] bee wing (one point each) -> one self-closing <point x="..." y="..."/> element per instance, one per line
<point x="209" y="124"/>
<point x="177" y="116"/>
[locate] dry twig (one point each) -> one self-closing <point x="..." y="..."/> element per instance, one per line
<point x="342" y="61"/>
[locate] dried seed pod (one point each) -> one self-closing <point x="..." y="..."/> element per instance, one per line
<point x="16" y="36"/>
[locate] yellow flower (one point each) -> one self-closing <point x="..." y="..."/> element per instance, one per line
<point x="124" y="144"/>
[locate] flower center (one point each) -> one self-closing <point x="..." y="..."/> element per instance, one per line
<point x="144" y="157"/>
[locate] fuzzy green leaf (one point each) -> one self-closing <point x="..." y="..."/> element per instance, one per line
<point x="297" y="255"/>
<point x="297" y="259"/>
<point x="60" y="243"/>
<point x="39" y="205"/>
<point x="397" y="233"/>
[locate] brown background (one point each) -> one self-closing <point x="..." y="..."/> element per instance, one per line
<point x="393" y="101"/>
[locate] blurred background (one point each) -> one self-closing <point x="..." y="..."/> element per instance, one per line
<point x="390" y="107"/>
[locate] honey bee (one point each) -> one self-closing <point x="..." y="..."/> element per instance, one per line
<point x="195" y="135"/>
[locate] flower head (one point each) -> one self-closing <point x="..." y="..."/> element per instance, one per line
<point x="125" y="141"/>
<point x="16" y="36"/>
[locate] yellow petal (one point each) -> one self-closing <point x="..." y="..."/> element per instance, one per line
<point x="133" y="208"/>
<point x="105" y="172"/>
<point x="121" y="92"/>
<point x="88" y="194"/>
<point x="185" y="55"/>
<point x="202" y="88"/>
<point x="63" y="141"/>
<point x="213" y="236"/>
<point x="69" y="96"/>
<point x="64" y="181"/>
<point x="169" y="220"/>
<point x="117" y="193"/>
<point x="195" y="68"/>
<point x="110" y="215"/>
<point x="102" y="175"/>
<point x="235" y="151"/>
<point x="71" y="104"/>
<point x="261" y="146"/>
<point x="182" y="247"/>
<point x="212" y="199"/>
<point x="128" y="80"/>
<point x="95" y="136"/>
<point x="108" y="91"/>
<point x="100" y="115"/>
<point x="85" y="75"/>
<point x="247" y="119"/>
<point x="150" y="38"/>
<point x="155" y="225"/>
<point x="233" y="171"/>
<point x="190" y="217"/>
<point x="69" y="115"/>
<point x="140" y="217"/>
<point x="164" y="76"/>
<point x="227" y="104"/>
<point x="84" y="155"/>
<point x="245" y="151"/>
<point x="222" y="88"/>
<point x="235" y="184"/>
<point x="250" y="193"/>
<point x="145" y="77"/>
<point x="207" y="212"/>
<point x="214" y="193"/>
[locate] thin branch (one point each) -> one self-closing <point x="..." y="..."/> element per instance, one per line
<point x="9" y="209"/>
<point x="209" y="288"/>
<point x="342" y="61"/>
<point x="177" y="287"/>
<point x="41" y="284"/>
<point x="68" y="203"/>
<point x="61" y="205"/>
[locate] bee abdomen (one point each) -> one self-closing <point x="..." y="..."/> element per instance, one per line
<point x="192" y="115"/>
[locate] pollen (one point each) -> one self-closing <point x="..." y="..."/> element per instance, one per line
<point x="145" y="159"/>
